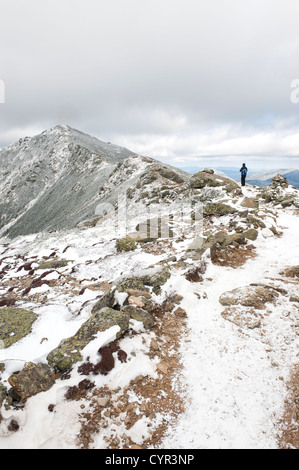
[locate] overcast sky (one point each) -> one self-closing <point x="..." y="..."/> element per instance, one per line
<point x="190" y="82"/>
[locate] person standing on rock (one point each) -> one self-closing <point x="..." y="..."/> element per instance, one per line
<point x="243" y="174"/>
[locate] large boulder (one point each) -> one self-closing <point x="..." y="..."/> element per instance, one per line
<point x="234" y="239"/>
<point x="207" y="178"/>
<point x="54" y="264"/>
<point x="69" y="350"/>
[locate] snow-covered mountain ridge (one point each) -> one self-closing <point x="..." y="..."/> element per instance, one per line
<point x="53" y="181"/>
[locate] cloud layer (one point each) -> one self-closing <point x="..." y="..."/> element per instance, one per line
<point x="186" y="81"/>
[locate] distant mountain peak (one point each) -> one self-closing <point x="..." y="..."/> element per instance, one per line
<point x="53" y="181"/>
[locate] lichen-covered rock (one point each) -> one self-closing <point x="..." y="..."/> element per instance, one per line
<point x="107" y="300"/>
<point x="156" y="279"/>
<point x="233" y="239"/>
<point x="54" y="264"/>
<point x="169" y="174"/>
<point x="125" y="244"/>
<point x="219" y="237"/>
<point x="197" y="244"/>
<point x="69" y="350"/>
<point x="251" y="234"/>
<point x="233" y="189"/>
<point x="218" y="209"/>
<point x="15" y="323"/>
<point x="134" y="283"/>
<point x="33" y="379"/>
<point x="139" y="314"/>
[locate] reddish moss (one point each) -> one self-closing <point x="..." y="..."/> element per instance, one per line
<point x="122" y="356"/>
<point x="7" y="302"/>
<point x="78" y="392"/>
<point x="107" y="362"/>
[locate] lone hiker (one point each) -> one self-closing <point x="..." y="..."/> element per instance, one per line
<point x="243" y="174"/>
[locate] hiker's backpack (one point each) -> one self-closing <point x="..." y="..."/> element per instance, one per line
<point x="243" y="171"/>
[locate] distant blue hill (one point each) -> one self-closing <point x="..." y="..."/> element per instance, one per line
<point x="257" y="177"/>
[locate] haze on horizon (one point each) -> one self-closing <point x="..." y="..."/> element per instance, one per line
<point x="189" y="82"/>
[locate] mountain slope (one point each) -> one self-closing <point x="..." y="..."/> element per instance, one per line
<point x="49" y="181"/>
<point x="53" y="181"/>
<point x="184" y="338"/>
<point x="206" y="356"/>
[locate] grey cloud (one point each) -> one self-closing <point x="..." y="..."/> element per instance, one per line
<point x="125" y="70"/>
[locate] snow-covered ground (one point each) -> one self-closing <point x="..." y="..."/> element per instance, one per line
<point x="235" y="380"/>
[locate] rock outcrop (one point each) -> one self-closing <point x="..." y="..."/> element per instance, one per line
<point x="68" y="352"/>
<point x="208" y="178"/>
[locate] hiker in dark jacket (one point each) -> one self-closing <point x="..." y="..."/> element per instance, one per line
<point x="243" y="174"/>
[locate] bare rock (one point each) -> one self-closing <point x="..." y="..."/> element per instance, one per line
<point x="243" y="317"/>
<point x="250" y="296"/>
<point x="250" y="203"/>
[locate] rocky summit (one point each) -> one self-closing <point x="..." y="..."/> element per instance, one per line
<point x="143" y="307"/>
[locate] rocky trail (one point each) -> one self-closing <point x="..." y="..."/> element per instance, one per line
<point x="129" y="342"/>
